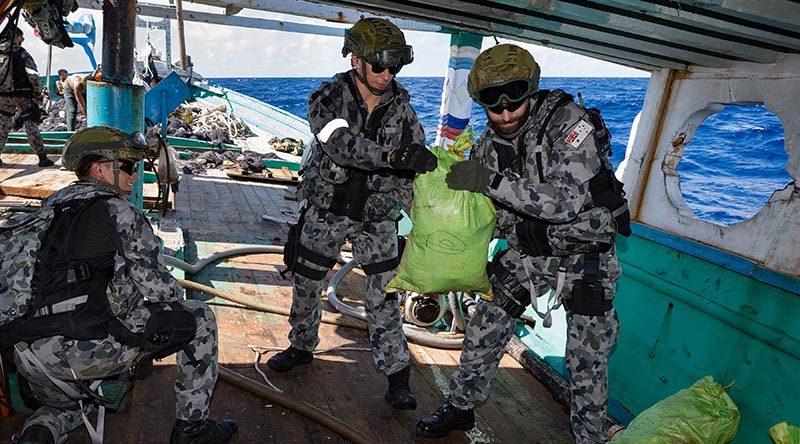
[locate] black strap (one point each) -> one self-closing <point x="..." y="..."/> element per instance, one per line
<point x="381" y="267"/>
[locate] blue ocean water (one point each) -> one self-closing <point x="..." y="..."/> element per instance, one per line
<point x="728" y="172"/>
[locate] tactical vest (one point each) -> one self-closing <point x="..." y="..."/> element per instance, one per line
<point x="350" y="197"/>
<point x="14" y="80"/>
<point x="68" y="297"/>
<point x="605" y="189"/>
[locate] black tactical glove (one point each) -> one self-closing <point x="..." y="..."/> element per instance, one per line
<point x="468" y="175"/>
<point x="413" y="157"/>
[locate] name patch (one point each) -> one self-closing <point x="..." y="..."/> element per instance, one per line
<point x="579" y="133"/>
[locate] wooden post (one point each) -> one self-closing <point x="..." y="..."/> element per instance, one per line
<point x="181" y="39"/>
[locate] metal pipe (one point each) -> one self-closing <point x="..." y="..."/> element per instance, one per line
<point x="119" y="37"/>
<point x="49" y="68"/>
<point x="181" y="38"/>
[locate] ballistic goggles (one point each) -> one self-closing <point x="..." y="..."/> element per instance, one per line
<point x="391" y="57"/>
<point x="126" y="165"/>
<point x="505" y="96"/>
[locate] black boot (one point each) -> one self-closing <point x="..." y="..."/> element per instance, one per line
<point x="445" y="420"/>
<point x="203" y="432"/>
<point x="289" y="359"/>
<point x="44" y="161"/>
<point x="399" y="395"/>
<point x="36" y="434"/>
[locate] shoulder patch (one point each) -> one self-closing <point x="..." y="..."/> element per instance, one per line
<point x="579" y="133"/>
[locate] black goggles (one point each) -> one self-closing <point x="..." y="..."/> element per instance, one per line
<point x="393" y="70"/>
<point x="515" y="91"/>
<point x="126" y="165"/>
<point x="391" y="56"/>
<point x="510" y="106"/>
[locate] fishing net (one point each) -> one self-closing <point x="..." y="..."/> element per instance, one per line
<point x="449" y="240"/>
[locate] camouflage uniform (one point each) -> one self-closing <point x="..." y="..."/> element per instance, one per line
<point x="141" y="282"/>
<point x="559" y="199"/>
<point x="374" y="236"/>
<point x="20" y="101"/>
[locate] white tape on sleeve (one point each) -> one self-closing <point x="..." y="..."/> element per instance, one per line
<point x="332" y="126"/>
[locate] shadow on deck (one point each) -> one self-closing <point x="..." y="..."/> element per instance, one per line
<point x="218" y="214"/>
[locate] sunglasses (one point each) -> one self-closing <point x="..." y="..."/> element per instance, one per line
<point x="510" y="106"/>
<point x="126" y="165"/>
<point x="511" y="92"/>
<point x="393" y="70"/>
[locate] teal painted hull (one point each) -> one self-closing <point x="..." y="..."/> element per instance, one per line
<point x="685" y="316"/>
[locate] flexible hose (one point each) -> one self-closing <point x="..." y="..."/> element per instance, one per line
<point x="241" y="251"/>
<point x="309" y="411"/>
<point x="414" y="333"/>
<point x="326" y="317"/>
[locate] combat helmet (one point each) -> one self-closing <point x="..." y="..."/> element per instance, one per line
<point x="379" y="42"/>
<point x="503" y="73"/>
<point x="104" y="141"/>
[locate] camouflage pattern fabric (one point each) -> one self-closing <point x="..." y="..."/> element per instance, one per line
<point x="16" y="105"/>
<point x="9" y="86"/>
<point x="347" y="147"/>
<point x="140" y="280"/>
<point x="561" y="199"/>
<point x="373" y="242"/>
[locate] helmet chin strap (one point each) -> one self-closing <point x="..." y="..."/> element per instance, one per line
<point x="363" y="79"/>
<point x="116" y="186"/>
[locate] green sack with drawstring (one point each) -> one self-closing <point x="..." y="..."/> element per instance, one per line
<point x="701" y="414"/>
<point x="449" y="240"/>
<point x="784" y="433"/>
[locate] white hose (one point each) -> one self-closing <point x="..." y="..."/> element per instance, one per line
<point x="412" y="332"/>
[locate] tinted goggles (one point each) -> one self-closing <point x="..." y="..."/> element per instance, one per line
<point x="390" y="56"/>
<point x="126" y="165"/>
<point x="393" y="70"/>
<point x="511" y="92"/>
<point x="510" y="106"/>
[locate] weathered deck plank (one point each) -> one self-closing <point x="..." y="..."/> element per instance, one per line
<point x="343" y="383"/>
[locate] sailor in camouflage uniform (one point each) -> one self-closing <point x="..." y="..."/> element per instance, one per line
<point x="356" y="179"/>
<point x="120" y="244"/>
<point x="543" y="160"/>
<point x="20" y="89"/>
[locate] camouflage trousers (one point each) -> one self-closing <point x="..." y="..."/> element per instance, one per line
<point x="373" y="242"/>
<point x="97" y="359"/>
<point x="11" y="106"/>
<point x="589" y="343"/>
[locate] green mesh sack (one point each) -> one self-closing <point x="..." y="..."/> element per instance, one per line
<point x="701" y="414"/>
<point x="449" y="240"/>
<point x="784" y="433"/>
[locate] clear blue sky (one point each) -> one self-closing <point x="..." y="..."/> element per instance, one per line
<point x="222" y="51"/>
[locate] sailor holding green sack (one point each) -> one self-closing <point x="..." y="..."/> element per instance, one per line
<point x="357" y="177"/>
<point x="543" y="160"/>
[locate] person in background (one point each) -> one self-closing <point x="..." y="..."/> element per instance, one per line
<point x="543" y="160"/>
<point x="357" y="178"/>
<point x="75" y="95"/>
<point x="62" y="76"/>
<point x="109" y="258"/>
<point x="20" y="93"/>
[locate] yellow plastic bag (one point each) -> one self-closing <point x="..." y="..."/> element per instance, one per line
<point x="449" y="240"/>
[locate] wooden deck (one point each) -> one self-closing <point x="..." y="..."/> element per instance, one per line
<point x="217" y="213"/>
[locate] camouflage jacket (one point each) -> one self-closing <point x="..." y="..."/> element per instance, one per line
<point x="569" y="159"/>
<point x="339" y="119"/>
<point x="139" y="270"/>
<point x="12" y="78"/>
